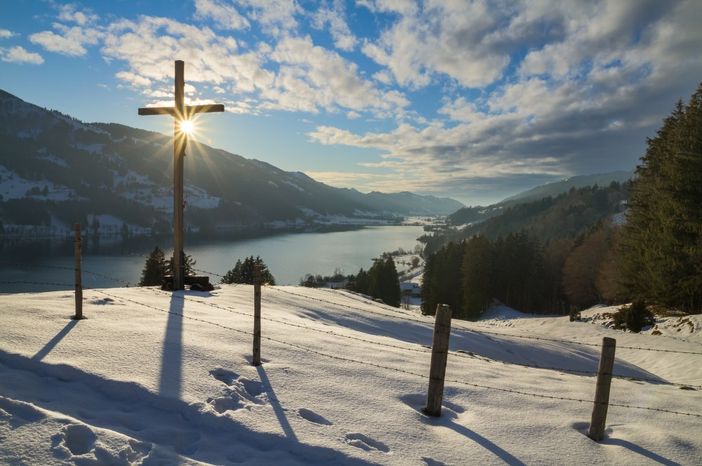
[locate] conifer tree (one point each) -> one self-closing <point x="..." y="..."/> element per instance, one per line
<point x="154" y="269"/>
<point x="243" y="272"/>
<point x="187" y="261"/>
<point x="662" y="239"/>
<point x="383" y="281"/>
<point x="360" y="283"/>
<point x="443" y="280"/>
<point x="477" y="277"/>
<point x="582" y="268"/>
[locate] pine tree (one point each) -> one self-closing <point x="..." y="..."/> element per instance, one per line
<point x="477" y="277"/>
<point x="443" y="280"/>
<point x="154" y="269"/>
<point x="187" y="261"/>
<point x="243" y="272"/>
<point x="582" y="268"/>
<point x="360" y="283"/>
<point x="383" y="281"/>
<point x="662" y="239"/>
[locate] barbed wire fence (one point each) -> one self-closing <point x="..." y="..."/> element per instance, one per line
<point x="410" y="347"/>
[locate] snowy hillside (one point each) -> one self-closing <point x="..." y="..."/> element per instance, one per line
<point x="156" y="378"/>
<point x="56" y="170"/>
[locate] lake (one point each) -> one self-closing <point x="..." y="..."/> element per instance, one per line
<point x="289" y="257"/>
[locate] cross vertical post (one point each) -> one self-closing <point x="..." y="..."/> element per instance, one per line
<point x="179" y="142"/>
<point x="180" y="113"/>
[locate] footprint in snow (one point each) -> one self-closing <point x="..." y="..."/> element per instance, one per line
<point x="78" y="438"/>
<point x="432" y="462"/>
<point x="365" y="443"/>
<point x="238" y="393"/>
<point x="102" y="301"/>
<point x="311" y="416"/>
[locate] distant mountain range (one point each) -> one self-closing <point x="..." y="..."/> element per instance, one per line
<point x="559" y="187"/>
<point x="567" y="214"/>
<point x="467" y="215"/>
<point x="56" y="170"/>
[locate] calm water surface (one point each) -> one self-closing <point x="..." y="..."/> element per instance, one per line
<point x="289" y="257"/>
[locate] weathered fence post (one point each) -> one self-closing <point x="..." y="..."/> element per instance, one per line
<point x="77" y="273"/>
<point x="439" y="353"/>
<point x="604" y="380"/>
<point x="256" y="359"/>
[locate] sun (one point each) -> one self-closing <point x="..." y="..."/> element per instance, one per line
<point x="188" y="127"/>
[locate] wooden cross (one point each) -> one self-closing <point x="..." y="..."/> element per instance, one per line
<point x="180" y="113"/>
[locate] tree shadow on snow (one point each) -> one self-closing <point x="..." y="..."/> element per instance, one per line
<point x="567" y="356"/>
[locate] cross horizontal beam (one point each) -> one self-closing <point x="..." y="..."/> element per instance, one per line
<point x="189" y="110"/>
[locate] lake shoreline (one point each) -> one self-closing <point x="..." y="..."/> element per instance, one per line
<point x="289" y="255"/>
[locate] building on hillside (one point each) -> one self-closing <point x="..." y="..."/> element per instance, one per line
<point x="411" y="289"/>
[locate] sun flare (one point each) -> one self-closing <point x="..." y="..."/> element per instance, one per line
<point x="188" y="127"/>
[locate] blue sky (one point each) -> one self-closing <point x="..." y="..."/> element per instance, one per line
<point x="470" y="99"/>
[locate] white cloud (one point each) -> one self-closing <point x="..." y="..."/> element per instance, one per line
<point x="150" y="45"/>
<point x="584" y="98"/>
<point x="404" y="7"/>
<point x="69" y="13"/>
<point x="311" y="77"/>
<point x="308" y="77"/>
<point x="6" y="34"/>
<point x="69" y="41"/>
<point x="444" y="38"/>
<point x="512" y="89"/>
<point x="223" y="15"/>
<point x="461" y="110"/>
<point x="19" y="54"/>
<point x="333" y="17"/>
<point x="275" y="16"/>
<point x="136" y="80"/>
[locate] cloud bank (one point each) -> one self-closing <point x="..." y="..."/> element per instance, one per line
<point x="473" y="99"/>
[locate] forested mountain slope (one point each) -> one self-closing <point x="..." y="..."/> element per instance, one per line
<point x="56" y="170"/>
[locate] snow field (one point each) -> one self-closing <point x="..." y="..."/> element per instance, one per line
<point x="155" y="377"/>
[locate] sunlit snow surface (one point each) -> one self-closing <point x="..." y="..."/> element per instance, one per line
<point x="155" y="378"/>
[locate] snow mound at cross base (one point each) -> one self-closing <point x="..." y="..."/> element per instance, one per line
<point x="164" y="378"/>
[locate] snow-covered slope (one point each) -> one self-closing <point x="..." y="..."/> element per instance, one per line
<point x="152" y="377"/>
<point x="53" y="165"/>
<point x="686" y="326"/>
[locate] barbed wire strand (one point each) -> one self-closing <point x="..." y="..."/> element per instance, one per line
<point x="355" y="295"/>
<point x="405" y="348"/>
<point x="395" y="315"/>
<point x="424" y="349"/>
<point x="395" y="369"/>
<point x="70" y="286"/>
<point x="487" y="332"/>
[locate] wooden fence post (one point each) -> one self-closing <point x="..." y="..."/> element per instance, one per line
<point x="256" y="359"/>
<point x="604" y="380"/>
<point x="439" y="353"/>
<point x="77" y="273"/>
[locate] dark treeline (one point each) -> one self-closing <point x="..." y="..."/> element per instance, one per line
<point x="567" y="215"/>
<point x="381" y="281"/>
<point x="661" y="244"/>
<point x="550" y="255"/>
<point x="519" y="271"/>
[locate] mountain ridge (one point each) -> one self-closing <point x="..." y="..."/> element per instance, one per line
<point x="472" y="214"/>
<point x="56" y="170"/>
